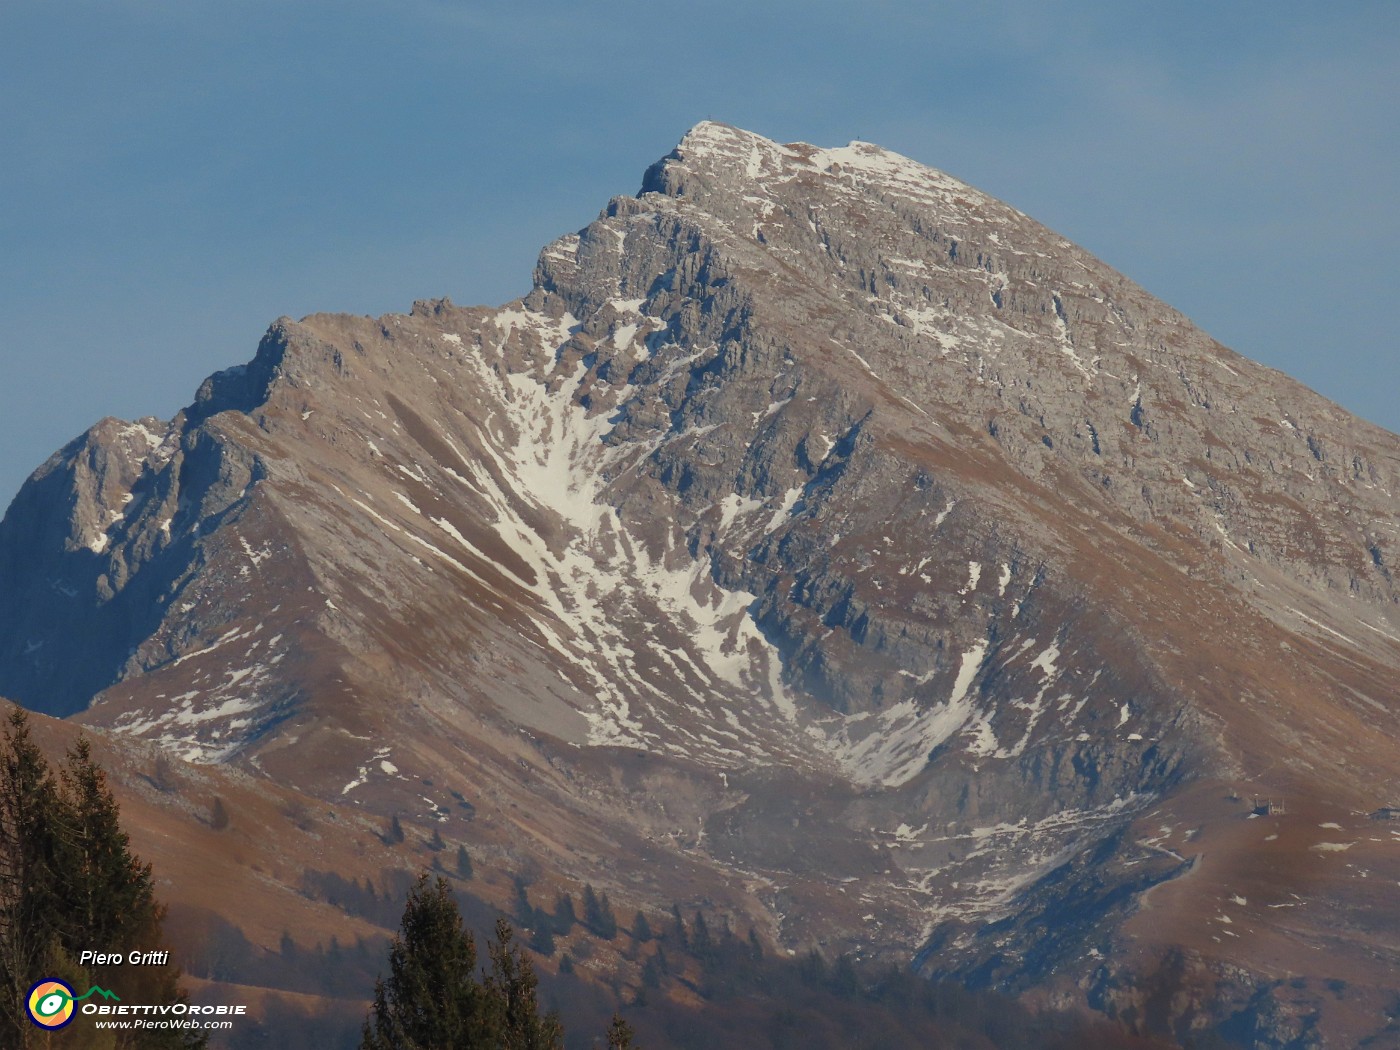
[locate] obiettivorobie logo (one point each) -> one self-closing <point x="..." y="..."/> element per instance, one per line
<point x="51" y="1002"/>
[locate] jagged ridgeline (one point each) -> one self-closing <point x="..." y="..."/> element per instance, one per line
<point x="819" y="538"/>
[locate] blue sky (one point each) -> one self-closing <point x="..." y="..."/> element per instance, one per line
<point x="174" y="174"/>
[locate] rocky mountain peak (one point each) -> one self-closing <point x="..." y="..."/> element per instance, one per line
<point x="817" y="526"/>
<point x="736" y="157"/>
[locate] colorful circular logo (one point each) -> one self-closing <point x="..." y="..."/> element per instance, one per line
<point x="50" y="1003"/>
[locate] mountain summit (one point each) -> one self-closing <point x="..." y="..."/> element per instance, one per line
<point x="820" y="538"/>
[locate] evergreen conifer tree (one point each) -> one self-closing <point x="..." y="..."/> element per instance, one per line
<point x="30" y="809"/>
<point x="678" y="927"/>
<point x="811" y="968"/>
<point x="592" y="909"/>
<point x="607" y="921"/>
<point x="512" y="989"/>
<point x="564" y="914"/>
<point x="620" y="1034"/>
<point x="701" y="944"/>
<point x="598" y="914"/>
<point x="109" y="894"/>
<point x="431" y="998"/>
<point x="106" y="895"/>
<point x="218" y="815"/>
<point x="844" y="980"/>
<point x="69" y="882"/>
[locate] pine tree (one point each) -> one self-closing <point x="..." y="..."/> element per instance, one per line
<point x="107" y="895"/>
<point x="564" y="915"/>
<point x="30" y="811"/>
<point x="678" y="927"/>
<point x="620" y="1034"/>
<point x="109" y="891"/>
<point x="431" y="998"/>
<point x="607" y="921"/>
<point x="598" y="914"/>
<point x="592" y="909"/>
<point x="464" y="862"/>
<point x="69" y="881"/>
<point x="727" y="940"/>
<point x="218" y="815"/>
<point x="512" y="988"/>
<point x="844" y="980"/>
<point x="701" y="944"/>
<point x="163" y="773"/>
<point x="811" y="968"/>
<point x="641" y="929"/>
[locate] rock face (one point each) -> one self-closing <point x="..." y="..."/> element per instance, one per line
<point x="820" y="538"/>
